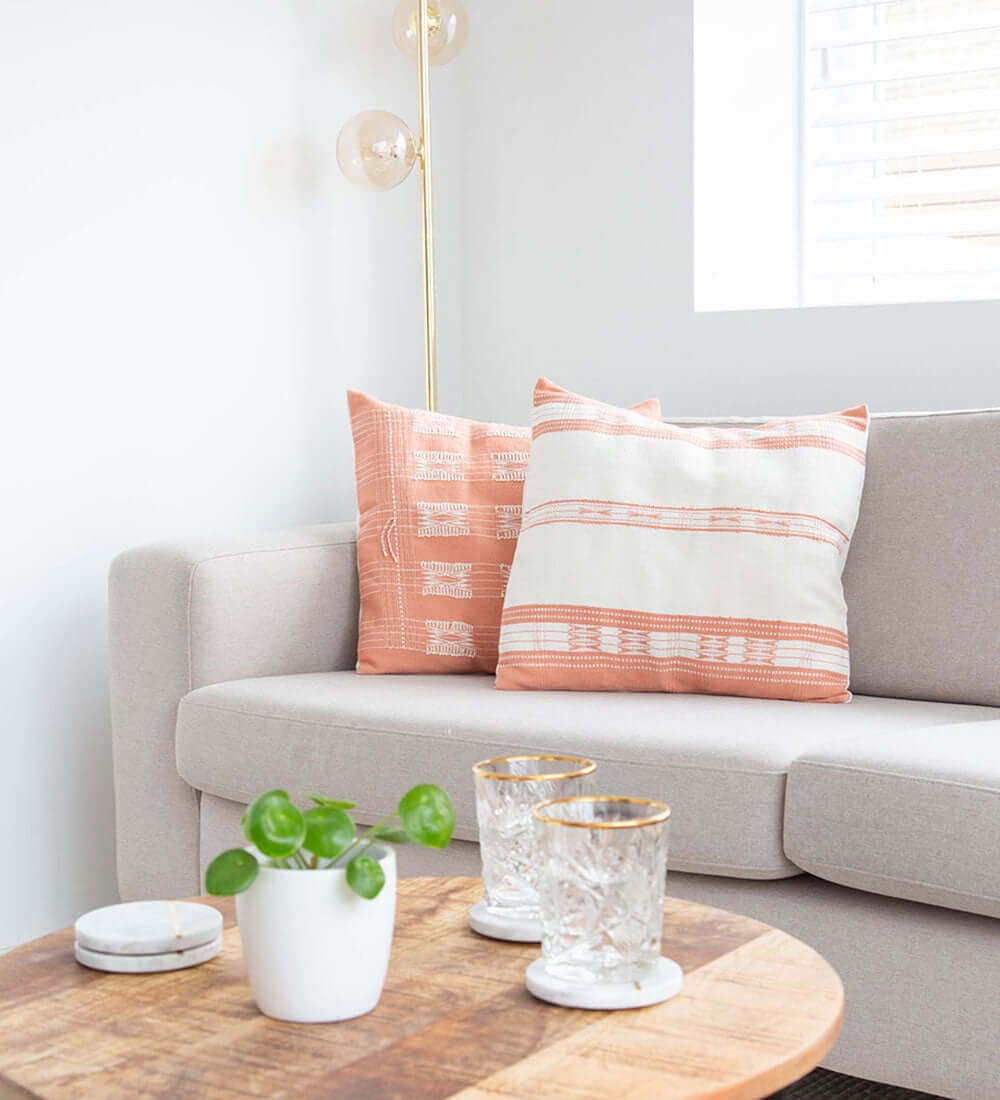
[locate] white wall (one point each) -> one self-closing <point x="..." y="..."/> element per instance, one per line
<point x="186" y="288"/>
<point x="746" y="154"/>
<point x="577" y="241"/>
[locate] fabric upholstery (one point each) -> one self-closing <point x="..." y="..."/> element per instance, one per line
<point x="927" y="526"/>
<point x="658" y="557"/>
<point x="910" y="813"/>
<point x="719" y="761"/>
<point x="921" y="982"/>
<point x="923" y="575"/>
<point x="439" y="499"/>
<point x="184" y="615"/>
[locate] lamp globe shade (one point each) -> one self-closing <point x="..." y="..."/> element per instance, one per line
<point x="376" y="150"/>
<point x="447" y="29"/>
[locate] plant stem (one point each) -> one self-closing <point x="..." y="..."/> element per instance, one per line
<point x="364" y="847"/>
<point x="367" y="835"/>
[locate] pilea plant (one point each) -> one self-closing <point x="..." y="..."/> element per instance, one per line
<point x="325" y="836"/>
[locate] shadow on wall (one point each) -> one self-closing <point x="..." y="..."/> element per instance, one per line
<point x="62" y="791"/>
<point x="183" y="321"/>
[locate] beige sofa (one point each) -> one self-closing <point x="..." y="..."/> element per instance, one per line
<point x="870" y="829"/>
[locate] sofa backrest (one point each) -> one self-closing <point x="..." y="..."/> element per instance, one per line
<point x="923" y="574"/>
<point x="922" y="579"/>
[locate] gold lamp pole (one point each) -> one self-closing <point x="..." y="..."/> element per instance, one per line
<point x="376" y="150"/>
<point x="427" y="204"/>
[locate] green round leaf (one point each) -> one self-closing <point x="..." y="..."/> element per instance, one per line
<point x="275" y="826"/>
<point x="231" y="873"/>
<point x="390" y="833"/>
<point x="427" y="815"/>
<point x="365" y="876"/>
<point x="328" y="831"/>
<point x="276" y="793"/>
<point x="245" y="819"/>
<point x="321" y="801"/>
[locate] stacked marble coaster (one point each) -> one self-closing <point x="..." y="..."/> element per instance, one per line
<point x="144" y="937"/>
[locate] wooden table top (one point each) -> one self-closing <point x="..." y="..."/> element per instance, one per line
<point x="759" y="1009"/>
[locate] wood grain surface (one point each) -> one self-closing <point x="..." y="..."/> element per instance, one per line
<point x="758" y="1010"/>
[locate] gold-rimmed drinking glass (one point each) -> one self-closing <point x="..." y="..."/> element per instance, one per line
<point x="601" y="890"/>
<point x="507" y="788"/>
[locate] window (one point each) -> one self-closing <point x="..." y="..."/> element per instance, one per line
<point x="895" y="141"/>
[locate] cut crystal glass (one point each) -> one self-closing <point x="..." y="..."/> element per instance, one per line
<point x="507" y="789"/>
<point x="601" y="892"/>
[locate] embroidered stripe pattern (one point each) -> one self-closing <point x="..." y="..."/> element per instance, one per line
<point x="508" y="466"/>
<point x="431" y="423"/>
<point x="573" y="636"/>
<point x="429" y="638"/>
<point x="833" y="433"/>
<point x="508" y="520"/>
<point x="439" y="503"/>
<point x="456" y="580"/>
<point x="631" y="572"/>
<point x="444" y="520"/>
<point x="754" y="521"/>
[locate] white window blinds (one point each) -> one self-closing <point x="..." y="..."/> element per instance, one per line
<point x="900" y="180"/>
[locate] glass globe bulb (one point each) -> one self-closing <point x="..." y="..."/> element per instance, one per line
<point x="376" y="150"/>
<point x="447" y="29"/>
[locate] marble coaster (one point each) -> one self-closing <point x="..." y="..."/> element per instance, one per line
<point x="502" y="926"/>
<point x="148" y="927"/>
<point x="663" y="982"/>
<point x="147" y="964"/>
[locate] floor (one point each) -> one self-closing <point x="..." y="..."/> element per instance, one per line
<point x="821" y="1084"/>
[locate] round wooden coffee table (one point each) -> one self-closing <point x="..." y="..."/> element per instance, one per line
<point x="758" y="1010"/>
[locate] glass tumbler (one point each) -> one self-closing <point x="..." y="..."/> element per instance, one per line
<point x="604" y="862"/>
<point x="507" y="789"/>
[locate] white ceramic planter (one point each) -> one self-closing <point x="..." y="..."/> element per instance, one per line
<point x="315" y="951"/>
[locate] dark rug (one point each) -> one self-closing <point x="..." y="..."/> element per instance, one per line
<point x="821" y="1084"/>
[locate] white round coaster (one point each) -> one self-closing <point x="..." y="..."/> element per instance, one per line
<point x="148" y="927"/>
<point x="147" y="964"/>
<point x="660" y="984"/>
<point x="503" y="926"/>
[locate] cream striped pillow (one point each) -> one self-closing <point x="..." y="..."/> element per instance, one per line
<point x="658" y="557"/>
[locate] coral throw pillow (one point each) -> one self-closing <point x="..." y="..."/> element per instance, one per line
<point x="439" y="501"/>
<point x="658" y="557"/>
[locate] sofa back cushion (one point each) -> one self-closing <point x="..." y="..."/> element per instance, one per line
<point x="922" y="579"/>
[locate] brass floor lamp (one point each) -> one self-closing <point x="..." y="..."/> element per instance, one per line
<point x="376" y="150"/>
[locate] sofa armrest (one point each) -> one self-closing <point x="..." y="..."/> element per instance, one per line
<point x="189" y="614"/>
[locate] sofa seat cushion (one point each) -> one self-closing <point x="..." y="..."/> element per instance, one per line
<point x="720" y="762"/>
<point x="913" y="813"/>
